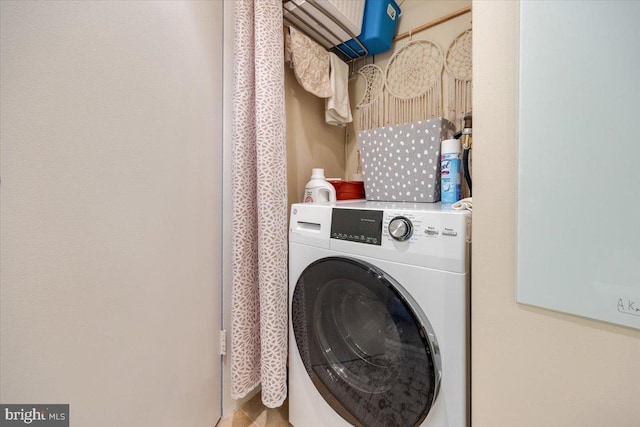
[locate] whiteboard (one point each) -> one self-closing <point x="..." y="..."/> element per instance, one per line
<point x="578" y="207"/>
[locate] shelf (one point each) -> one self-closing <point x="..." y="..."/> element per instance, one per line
<point x="319" y="25"/>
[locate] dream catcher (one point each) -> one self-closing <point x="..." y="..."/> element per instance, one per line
<point x="459" y="73"/>
<point x="370" y="112"/>
<point x="414" y="83"/>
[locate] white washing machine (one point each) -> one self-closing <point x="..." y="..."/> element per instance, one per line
<point x="379" y="315"/>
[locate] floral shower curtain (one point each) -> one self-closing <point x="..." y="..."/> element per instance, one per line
<point x="259" y="296"/>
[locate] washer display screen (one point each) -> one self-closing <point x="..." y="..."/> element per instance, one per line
<point x="357" y="225"/>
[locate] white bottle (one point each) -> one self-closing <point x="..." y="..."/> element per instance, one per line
<point x="318" y="189"/>
<point x="450" y="171"/>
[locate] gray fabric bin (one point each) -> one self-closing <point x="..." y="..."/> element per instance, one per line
<point x="401" y="163"/>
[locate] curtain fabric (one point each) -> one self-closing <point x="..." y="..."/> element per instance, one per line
<point x="259" y="296"/>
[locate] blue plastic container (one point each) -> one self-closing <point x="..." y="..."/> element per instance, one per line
<point x="378" y="27"/>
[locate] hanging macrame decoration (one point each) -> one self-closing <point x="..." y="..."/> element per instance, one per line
<point x="414" y="83"/>
<point x="459" y="72"/>
<point x="370" y="111"/>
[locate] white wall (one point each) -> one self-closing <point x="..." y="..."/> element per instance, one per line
<point x="530" y="366"/>
<point x="110" y="209"/>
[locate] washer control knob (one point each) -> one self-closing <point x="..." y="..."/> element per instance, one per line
<point x="400" y="228"/>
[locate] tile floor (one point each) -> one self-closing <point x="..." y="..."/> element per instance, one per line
<point x="254" y="414"/>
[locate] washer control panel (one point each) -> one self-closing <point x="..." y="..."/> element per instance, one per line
<point x="411" y="227"/>
<point x="415" y="234"/>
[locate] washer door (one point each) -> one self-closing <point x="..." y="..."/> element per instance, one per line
<point x="367" y="346"/>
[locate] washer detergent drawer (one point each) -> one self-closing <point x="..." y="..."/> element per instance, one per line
<point x="310" y="224"/>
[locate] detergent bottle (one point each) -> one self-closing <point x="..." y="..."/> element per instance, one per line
<point x="318" y="189"/>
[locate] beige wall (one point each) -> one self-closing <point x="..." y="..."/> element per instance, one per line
<point x="530" y="367"/>
<point x="228" y="403"/>
<point x="414" y="14"/>
<point x="110" y="210"/>
<point x="311" y="143"/>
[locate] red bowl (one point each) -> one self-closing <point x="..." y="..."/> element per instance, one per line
<point x="348" y="190"/>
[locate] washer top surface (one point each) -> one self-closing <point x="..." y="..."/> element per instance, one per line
<point x="404" y="206"/>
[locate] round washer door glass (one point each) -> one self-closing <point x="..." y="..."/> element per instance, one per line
<point x="368" y="349"/>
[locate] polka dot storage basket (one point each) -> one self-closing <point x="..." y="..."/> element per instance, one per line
<point x="401" y="163"/>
